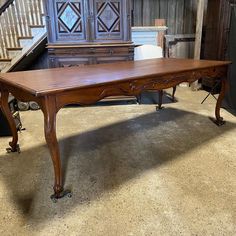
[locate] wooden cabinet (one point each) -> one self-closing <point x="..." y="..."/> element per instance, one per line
<point x="88" y="31"/>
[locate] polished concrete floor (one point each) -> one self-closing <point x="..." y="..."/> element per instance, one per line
<point x="133" y="171"/>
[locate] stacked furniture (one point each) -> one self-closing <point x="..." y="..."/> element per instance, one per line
<point x="179" y="46"/>
<point x="4" y="128"/>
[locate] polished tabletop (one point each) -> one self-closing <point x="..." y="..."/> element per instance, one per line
<point x="42" y="82"/>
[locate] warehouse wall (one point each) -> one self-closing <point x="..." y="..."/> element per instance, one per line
<point x="179" y="14"/>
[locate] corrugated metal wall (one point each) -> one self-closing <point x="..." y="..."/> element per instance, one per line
<point x="179" y="14"/>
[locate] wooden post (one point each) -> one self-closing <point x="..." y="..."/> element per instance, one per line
<point x="198" y="37"/>
<point x="160" y="40"/>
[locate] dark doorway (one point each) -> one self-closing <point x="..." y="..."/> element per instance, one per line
<point x="232" y="57"/>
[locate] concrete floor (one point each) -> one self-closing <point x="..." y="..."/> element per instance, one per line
<point x="133" y="171"/>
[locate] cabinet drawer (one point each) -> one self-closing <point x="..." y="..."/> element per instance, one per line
<point x="91" y="51"/>
<point x="116" y="58"/>
<point x="69" y="61"/>
<point x="81" y="61"/>
<point x="77" y="56"/>
<point x="109" y="51"/>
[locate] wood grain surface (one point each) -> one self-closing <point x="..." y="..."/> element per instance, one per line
<point x="41" y="82"/>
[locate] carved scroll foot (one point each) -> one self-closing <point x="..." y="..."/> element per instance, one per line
<point x="159" y="108"/>
<point x="14" y="147"/>
<point x="62" y="194"/>
<point x="220" y="121"/>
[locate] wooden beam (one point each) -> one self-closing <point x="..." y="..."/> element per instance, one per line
<point x="198" y="35"/>
<point x="160" y="39"/>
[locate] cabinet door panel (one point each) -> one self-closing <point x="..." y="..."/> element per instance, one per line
<point x="109" y="17"/>
<point x="67" y="20"/>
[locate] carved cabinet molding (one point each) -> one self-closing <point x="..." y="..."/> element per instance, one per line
<point x="87" y="21"/>
<point x="65" y="21"/>
<point x="88" y="31"/>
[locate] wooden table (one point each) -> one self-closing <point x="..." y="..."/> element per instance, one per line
<point x="54" y="88"/>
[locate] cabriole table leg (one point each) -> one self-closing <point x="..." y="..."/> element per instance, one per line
<point x="14" y="147"/>
<point x="49" y="110"/>
<point x="160" y="94"/>
<point x="219" y="120"/>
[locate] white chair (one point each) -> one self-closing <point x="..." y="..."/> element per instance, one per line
<point x="149" y="52"/>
